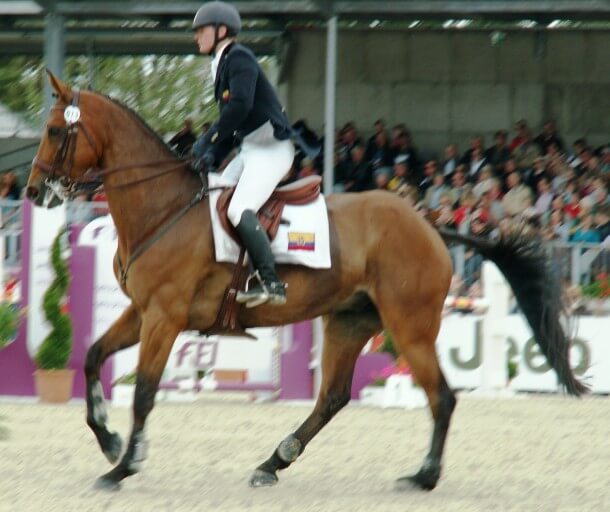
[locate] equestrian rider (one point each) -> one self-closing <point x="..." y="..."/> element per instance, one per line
<point x="251" y="113"/>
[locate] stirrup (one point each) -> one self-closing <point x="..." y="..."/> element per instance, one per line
<point x="261" y="293"/>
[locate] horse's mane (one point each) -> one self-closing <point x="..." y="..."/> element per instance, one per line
<point x="139" y="118"/>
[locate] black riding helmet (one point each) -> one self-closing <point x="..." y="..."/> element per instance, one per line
<point x="217" y="14"/>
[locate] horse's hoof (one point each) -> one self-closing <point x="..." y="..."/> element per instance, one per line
<point x="417" y="481"/>
<point x="103" y="483"/>
<point x="262" y="478"/>
<point x="114" y="448"/>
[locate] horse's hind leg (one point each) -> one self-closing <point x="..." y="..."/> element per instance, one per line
<point x="345" y="335"/>
<point x="122" y="334"/>
<point x="415" y="336"/>
<point x="159" y="331"/>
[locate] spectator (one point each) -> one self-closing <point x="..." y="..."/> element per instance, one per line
<point x="475" y="143"/>
<point x="430" y="170"/>
<point x="382" y="177"/>
<point x="450" y="161"/>
<point x="526" y="152"/>
<point x="522" y="131"/>
<point x="578" y="146"/>
<point x="484" y="182"/>
<point x="182" y="142"/>
<point x="557" y="229"/>
<point x="379" y="153"/>
<point x="358" y="175"/>
<point x="432" y="199"/>
<point x="458" y="183"/>
<point x="477" y="161"/>
<point x="585" y="232"/>
<point x="548" y="136"/>
<point x="538" y="172"/>
<point x="401" y="170"/>
<point x="602" y="222"/>
<point x="499" y="153"/>
<point x="518" y="197"/>
<point x="545" y="196"/>
<point x="379" y="128"/>
<point x="405" y="147"/>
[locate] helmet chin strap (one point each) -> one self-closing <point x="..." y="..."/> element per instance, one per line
<point x="217" y="40"/>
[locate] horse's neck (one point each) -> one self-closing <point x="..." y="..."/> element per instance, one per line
<point x="140" y="209"/>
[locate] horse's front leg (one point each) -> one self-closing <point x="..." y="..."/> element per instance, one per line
<point x="159" y="331"/>
<point x="124" y="333"/>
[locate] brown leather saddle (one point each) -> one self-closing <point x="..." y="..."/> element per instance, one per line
<point x="301" y="192"/>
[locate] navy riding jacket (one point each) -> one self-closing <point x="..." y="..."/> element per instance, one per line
<point x="246" y="100"/>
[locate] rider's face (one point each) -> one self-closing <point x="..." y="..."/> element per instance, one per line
<point x="204" y="36"/>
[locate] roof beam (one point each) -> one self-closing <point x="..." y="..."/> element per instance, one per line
<point x="463" y="9"/>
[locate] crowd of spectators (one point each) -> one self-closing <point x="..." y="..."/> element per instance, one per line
<point x="534" y="181"/>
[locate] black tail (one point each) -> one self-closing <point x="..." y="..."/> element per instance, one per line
<point x="537" y="289"/>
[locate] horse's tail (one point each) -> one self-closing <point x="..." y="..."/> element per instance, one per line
<point x="537" y="288"/>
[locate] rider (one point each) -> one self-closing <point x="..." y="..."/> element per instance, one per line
<point x="251" y="112"/>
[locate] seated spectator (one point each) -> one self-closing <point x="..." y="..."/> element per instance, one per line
<point x="585" y="232"/>
<point x="578" y="146"/>
<point x="182" y="142"/>
<point x="462" y="213"/>
<point x="526" y="152"/>
<point x="382" y="177"/>
<point x="458" y="184"/>
<point x="404" y="146"/>
<point x="432" y="199"/>
<point x="401" y="171"/>
<point x="499" y="153"/>
<point x="378" y="128"/>
<point x="484" y="182"/>
<point x="548" y="136"/>
<point x="491" y="201"/>
<point x="522" y="130"/>
<point x="602" y="222"/>
<point x="379" y="153"/>
<point x="537" y="173"/>
<point x="477" y="162"/>
<point x="445" y="212"/>
<point x="545" y="197"/>
<point x="357" y="171"/>
<point x="518" y="197"/>
<point x="557" y="228"/>
<point x="572" y="209"/>
<point x="430" y="170"/>
<point x="475" y="143"/>
<point x="450" y="160"/>
<point x="348" y="139"/>
<point x="604" y="167"/>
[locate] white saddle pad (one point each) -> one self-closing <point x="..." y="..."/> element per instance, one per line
<point x="303" y="241"/>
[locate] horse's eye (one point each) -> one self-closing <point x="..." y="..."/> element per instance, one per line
<point x="54" y="131"/>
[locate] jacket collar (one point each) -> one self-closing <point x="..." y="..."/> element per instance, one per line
<point x="221" y="65"/>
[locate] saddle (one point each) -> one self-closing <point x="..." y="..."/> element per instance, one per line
<point x="303" y="191"/>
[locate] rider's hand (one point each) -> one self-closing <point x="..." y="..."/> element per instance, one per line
<point x="204" y="163"/>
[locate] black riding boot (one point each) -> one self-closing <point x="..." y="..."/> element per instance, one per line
<point x="269" y="288"/>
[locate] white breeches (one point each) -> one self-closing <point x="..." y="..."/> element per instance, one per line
<point x="259" y="166"/>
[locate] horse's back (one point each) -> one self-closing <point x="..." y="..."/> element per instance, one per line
<point x="383" y="232"/>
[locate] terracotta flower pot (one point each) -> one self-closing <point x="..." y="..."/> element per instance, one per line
<point x="54" y="386"/>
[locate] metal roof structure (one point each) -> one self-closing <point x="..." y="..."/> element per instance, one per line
<point x="134" y="27"/>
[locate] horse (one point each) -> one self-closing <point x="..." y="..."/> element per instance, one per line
<point x="390" y="269"/>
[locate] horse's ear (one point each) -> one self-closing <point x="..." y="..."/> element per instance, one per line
<point x="62" y="90"/>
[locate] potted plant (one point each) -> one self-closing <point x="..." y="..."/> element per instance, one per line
<point x="53" y="380"/>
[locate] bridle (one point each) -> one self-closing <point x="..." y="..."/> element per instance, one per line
<point x="59" y="171"/>
<point x="59" y="177"/>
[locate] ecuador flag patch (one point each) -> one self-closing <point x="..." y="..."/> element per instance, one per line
<point x="301" y="241"/>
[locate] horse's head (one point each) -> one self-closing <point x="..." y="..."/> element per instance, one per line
<point x="68" y="148"/>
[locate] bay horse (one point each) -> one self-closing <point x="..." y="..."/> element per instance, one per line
<point x="390" y="269"/>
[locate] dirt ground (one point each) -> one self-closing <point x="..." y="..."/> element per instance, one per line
<point x="537" y="453"/>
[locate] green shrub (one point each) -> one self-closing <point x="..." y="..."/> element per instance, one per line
<point x="54" y="352"/>
<point x="10" y="317"/>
